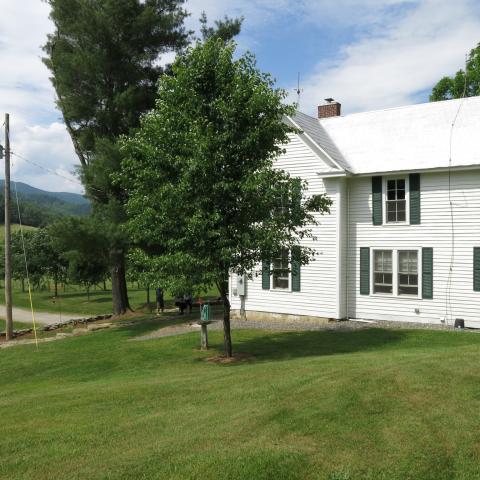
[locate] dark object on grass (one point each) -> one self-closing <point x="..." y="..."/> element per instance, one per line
<point x="459" y="323"/>
<point x="160" y="300"/>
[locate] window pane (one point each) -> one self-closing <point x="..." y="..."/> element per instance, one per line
<point x="387" y="261"/>
<point x="280" y="273"/>
<point x="383" y="271"/>
<point x="407" y="290"/>
<point x="378" y="278"/>
<point x="280" y="282"/>
<point x="407" y="272"/>
<point x="396" y="200"/>
<point x="383" y="289"/>
<point x="403" y="262"/>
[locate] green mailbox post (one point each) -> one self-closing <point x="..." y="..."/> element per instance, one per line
<point x="205" y="319"/>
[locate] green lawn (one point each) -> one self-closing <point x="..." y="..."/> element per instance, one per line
<point x="75" y="300"/>
<point x="15" y="228"/>
<point x="16" y="325"/>
<point x="370" y="404"/>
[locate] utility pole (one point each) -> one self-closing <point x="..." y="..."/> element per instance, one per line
<point x="8" y="233"/>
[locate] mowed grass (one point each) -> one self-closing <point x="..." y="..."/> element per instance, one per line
<point x="369" y="404"/>
<point x="15" y="228"/>
<point x="75" y="300"/>
<point x="16" y="325"/>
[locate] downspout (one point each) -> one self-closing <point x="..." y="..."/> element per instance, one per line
<point x="347" y="233"/>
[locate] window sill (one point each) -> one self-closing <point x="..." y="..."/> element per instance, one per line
<point x="391" y="295"/>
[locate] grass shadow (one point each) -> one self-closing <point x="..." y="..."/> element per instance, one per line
<point x="289" y="345"/>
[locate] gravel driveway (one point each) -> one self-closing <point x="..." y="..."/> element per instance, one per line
<point x="290" y="326"/>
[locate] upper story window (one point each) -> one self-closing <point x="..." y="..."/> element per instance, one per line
<point x="396" y="202"/>
<point x="280" y="270"/>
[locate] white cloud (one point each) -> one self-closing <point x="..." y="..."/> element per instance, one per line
<point x="407" y="55"/>
<point x="26" y="93"/>
<point x="25" y="89"/>
<point x="396" y="49"/>
<point x="43" y="156"/>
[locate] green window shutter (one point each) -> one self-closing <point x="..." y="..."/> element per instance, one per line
<point x="377" y="215"/>
<point x="476" y="269"/>
<point x="427" y="272"/>
<point x="297" y="199"/>
<point x="266" y="275"/>
<point x="364" y="271"/>
<point x="414" y="182"/>
<point x="296" y="266"/>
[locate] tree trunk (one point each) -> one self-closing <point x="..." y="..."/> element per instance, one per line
<point x="119" y="283"/>
<point x="104" y="286"/>
<point x="56" y="285"/>
<point x="227" y="337"/>
<point x="23" y="285"/>
<point x="88" y="293"/>
<point x="148" y="299"/>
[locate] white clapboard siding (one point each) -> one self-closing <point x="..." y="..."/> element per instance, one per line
<point x="318" y="295"/>
<point x="434" y="231"/>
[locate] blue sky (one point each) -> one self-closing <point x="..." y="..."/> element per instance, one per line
<point x="368" y="54"/>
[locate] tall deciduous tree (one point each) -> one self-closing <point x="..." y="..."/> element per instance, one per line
<point x="464" y="82"/>
<point x="203" y="193"/>
<point x="104" y="60"/>
<point x="83" y="243"/>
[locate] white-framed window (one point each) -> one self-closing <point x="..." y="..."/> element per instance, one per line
<point x="281" y="271"/>
<point x="396" y="272"/>
<point x="408" y="272"/>
<point x="396" y="200"/>
<point x="382" y="271"/>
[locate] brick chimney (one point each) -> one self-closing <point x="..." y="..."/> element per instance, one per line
<point x="330" y="109"/>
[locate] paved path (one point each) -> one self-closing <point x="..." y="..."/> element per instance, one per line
<point x="44" y="318"/>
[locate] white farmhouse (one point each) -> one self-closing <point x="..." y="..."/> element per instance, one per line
<point x="402" y="240"/>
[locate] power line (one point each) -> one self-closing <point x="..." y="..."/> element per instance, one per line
<point x="448" y="293"/>
<point x="26" y="265"/>
<point x="46" y="169"/>
<point x="53" y="172"/>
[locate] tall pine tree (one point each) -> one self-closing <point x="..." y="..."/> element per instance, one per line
<point x="104" y="59"/>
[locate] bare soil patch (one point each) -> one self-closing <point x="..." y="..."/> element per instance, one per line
<point x="236" y="358"/>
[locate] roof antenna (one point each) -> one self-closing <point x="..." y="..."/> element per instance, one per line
<point x="299" y="91"/>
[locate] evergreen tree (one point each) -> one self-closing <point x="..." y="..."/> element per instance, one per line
<point x="104" y="59"/>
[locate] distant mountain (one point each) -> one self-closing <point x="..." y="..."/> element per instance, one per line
<point x="40" y="207"/>
<point x="29" y="191"/>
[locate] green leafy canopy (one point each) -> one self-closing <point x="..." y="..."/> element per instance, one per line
<point x="464" y="83"/>
<point x="203" y="193"/>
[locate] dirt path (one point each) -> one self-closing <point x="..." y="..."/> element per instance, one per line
<point x="44" y="318"/>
